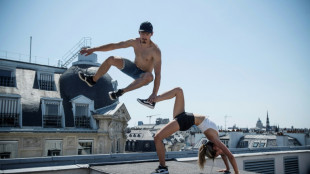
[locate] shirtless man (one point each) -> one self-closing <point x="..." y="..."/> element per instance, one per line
<point x="148" y="57"/>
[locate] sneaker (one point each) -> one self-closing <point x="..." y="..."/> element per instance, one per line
<point x="87" y="78"/>
<point x="146" y="103"/>
<point x="161" y="169"/>
<point x="115" y="94"/>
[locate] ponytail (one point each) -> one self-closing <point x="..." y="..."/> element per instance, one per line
<point x="202" y="156"/>
<point x="205" y="150"/>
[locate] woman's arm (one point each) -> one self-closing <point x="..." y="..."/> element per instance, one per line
<point x="227" y="153"/>
<point x="212" y="135"/>
<point x="224" y="158"/>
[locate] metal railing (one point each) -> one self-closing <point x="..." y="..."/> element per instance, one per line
<point x="25" y="58"/>
<point x="64" y="62"/>
<point x="9" y="119"/>
<point x="52" y="121"/>
<point x="7" y="81"/>
<point x="74" y="51"/>
<point x="82" y="121"/>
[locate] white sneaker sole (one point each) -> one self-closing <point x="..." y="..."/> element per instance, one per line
<point x="84" y="80"/>
<point x="110" y="95"/>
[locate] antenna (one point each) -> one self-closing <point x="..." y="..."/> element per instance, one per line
<point x="150" y="116"/>
<point x="225" y="120"/>
<point x="30" y="49"/>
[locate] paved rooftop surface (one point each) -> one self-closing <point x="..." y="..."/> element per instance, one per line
<point x="175" y="167"/>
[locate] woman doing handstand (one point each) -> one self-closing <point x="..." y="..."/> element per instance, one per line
<point x="183" y="121"/>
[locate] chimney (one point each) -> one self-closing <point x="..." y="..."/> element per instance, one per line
<point x="282" y="140"/>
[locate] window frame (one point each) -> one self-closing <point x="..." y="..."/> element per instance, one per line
<point x="13" y="74"/>
<point x="86" y="141"/>
<point x="18" y="105"/>
<point x="39" y="73"/>
<point x="81" y="99"/>
<point x="45" y="101"/>
<point x="48" y="141"/>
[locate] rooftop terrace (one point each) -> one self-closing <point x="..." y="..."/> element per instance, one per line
<point x="275" y="160"/>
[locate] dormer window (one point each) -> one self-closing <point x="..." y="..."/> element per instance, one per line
<point x="52" y="113"/>
<point x="81" y="107"/>
<point x="46" y="81"/>
<point x="7" y="77"/>
<point x="10" y="110"/>
<point x="82" y="118"/>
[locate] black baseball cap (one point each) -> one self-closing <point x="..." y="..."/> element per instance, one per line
<point x="146" y="27"/>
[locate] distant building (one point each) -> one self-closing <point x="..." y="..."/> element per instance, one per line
<point x="141" y="136"/>
<point x="140" y="141"/>
<point x="49" y="111"/>
<point x="259" y="124"/>
<point x="260" y="140"/>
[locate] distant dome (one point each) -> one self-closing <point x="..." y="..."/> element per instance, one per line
<point x="71" y="86"/>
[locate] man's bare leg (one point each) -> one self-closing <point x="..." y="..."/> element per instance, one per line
<point x="106" y="65"/>
<point x="145" y="79"/>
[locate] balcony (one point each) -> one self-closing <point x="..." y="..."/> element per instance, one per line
<point x="9" y="120"/>
<point x="52" y="121"/>
<point x="82" y="122"/>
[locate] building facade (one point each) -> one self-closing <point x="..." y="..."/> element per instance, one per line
<point x="49" y="111"/>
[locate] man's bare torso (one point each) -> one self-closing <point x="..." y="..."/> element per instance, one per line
<point x="145" y="55"/>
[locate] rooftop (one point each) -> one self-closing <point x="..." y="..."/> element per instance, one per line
<point x="184" y="162"/>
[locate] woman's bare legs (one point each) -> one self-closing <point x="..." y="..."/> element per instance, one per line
<point x="172" y="126"/>
<point x="163" y="133"/>
<point x="179" y="103"/>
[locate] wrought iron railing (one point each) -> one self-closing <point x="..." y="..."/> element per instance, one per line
<point x="46" y="85"/>
<point x="7" y="81"/>
<point x="82" y="121"/>
<point x="52" y="121"/>
<point x="9" y="120"/>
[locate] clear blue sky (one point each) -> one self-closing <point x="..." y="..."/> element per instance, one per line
<point x="236" y="58"/>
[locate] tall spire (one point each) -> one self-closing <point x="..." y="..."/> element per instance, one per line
<point x="267" y="123"/>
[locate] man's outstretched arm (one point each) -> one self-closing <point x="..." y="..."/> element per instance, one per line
<point x="108" y="47"/>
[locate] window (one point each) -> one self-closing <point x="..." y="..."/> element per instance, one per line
<point x="7" y="78"/>
<point x="54" y="152"/>
<point x="85" y="147"/>
<point x="244" y="144"/>
<point x="46" y="81"/>
<point x="118" y="146"/>
<point x="82" y="118"/>
<point x="81" y="107"/>
<point x="4" y="155"/>
<point x="255" y="144"/>
<point x="133" y="146"/>
<point x="9" y="111"/>
<point x="53" y="147"/>
<point x="262" y="145"/>
<point x="8" y="149"/>
<point x="225" y="142"/>
<point x="52" y="116"/>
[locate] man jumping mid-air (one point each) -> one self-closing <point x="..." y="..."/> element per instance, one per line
<point x="147" y="58"/>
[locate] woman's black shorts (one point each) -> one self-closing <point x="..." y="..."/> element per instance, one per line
<point x="185" y="120"/>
